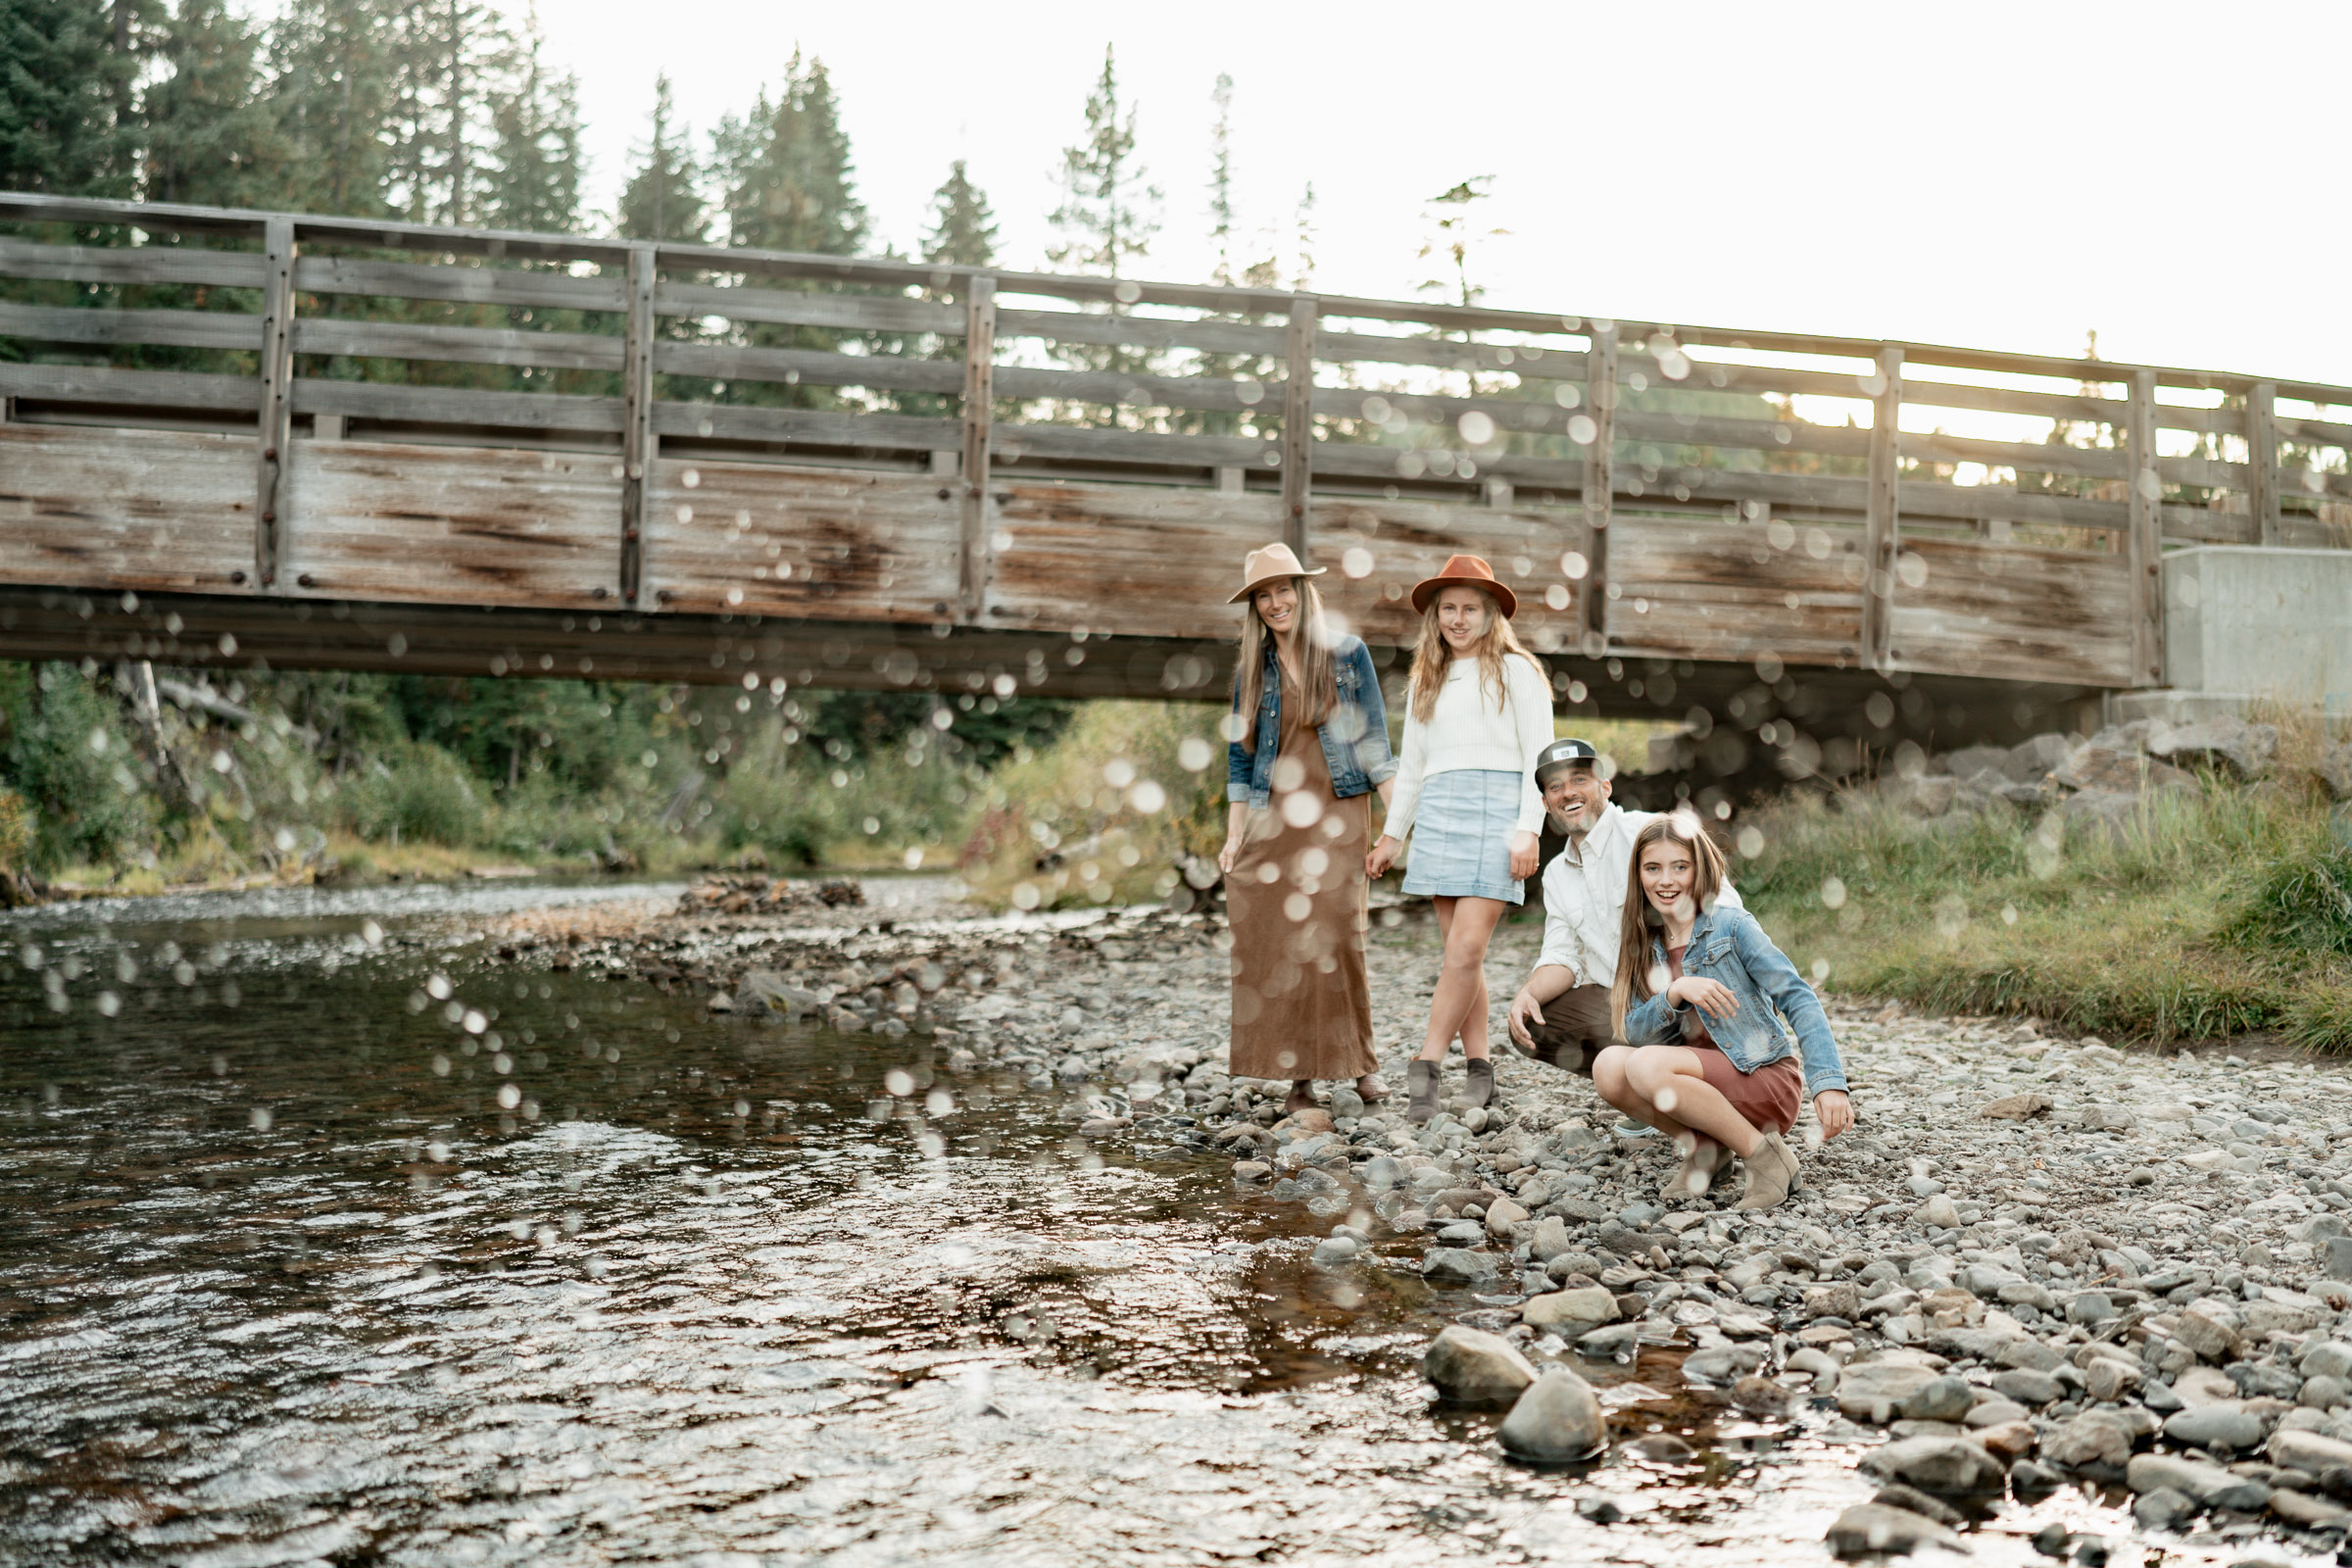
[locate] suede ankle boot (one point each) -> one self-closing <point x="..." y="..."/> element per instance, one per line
<point x="1421" y="1078"/>
<point x="1771" y="1173"/>
<point x="1478" y="1082"/>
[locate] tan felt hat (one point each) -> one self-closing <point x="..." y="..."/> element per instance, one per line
<point x="1464" y="571"/>
<point x="1270" y="565"/>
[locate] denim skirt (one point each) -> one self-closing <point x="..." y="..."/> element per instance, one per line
<point x="1462" y="829"/>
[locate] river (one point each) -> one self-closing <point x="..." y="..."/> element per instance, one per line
<point x="329" y="1242"/>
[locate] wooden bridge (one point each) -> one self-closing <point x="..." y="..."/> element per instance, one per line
<point x="236" y="437"/>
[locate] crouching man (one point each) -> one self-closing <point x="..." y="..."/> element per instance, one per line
<point x="1561" y="1015"/>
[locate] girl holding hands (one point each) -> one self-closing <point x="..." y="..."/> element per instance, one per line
<point x="1481" y="709"/>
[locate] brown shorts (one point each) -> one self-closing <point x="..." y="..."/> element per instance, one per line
<point x="1767" y="1099"/>
<point x="1575" y="1029"/>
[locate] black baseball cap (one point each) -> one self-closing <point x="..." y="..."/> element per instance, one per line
<point x="1568" y="752"/>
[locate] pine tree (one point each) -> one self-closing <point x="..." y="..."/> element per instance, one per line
<point x="537" y="122"/>
<point x="1220" y="178"/>
<point x="332" y="84"/>
<point x="452" y="61"/>
<point x="60" y="86"/>
<point x="1104" y="218"/>
<point x="1453" y="236"/>
<point x="787" y="169"/>
<point x="210" y="140"/>
<point x="663" y="199"/>
<point x="964" y="230"/>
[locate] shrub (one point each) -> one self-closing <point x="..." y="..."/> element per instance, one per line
<point x="415" y="792"/>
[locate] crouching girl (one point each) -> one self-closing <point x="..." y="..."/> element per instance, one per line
<point x="1700" y="997"/>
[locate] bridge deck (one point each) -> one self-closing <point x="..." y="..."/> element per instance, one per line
<point x="700" y="464"/>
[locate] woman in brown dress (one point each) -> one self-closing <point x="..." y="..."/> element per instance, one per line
<point x="1308" y="744"/>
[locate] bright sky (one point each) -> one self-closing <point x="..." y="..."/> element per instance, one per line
<point x="1998" y="175"/>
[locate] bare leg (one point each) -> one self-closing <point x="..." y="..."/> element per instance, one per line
<point x="1467" y="925"/>
<point x="1665" y="1087"/>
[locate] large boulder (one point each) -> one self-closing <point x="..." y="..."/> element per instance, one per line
<point x="1947" y="1466"/>
<point x="1458" y="1265"/>
<point x="1555" y="1421"/>
<point x="1871" y="1391"/>
<point x="1471" y="1366"/>
<point x="2116" y="771"/>
<point x="2336" y="770"/>
<point x="1984" y="765"/>
<point x="2231" y="744"/>
<point x="2209" y="1484"/>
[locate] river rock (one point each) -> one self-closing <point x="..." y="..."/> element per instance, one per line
<point x="2106" y="1380"/>
<point x="2207" y="1332"/>
<point x="2162" y="1509"/>
<point x="1557" y="1420"/>
<point x="1471" y="1366"/>
<point x="2095" y="1439"/>
<point x="1573" y="1313"/>
<point x="1871" y="1390"/>
<point x="2302" y="1509"/>
<point x="1894" y="1494"/>
<point x="2011" y="1440"/>
<point x="2028" y="1387"/>
<point x="1550" y="1239"/>
<point x="1458" y="1265"/>
<point x="2314" y="1452"/>
<point x="1874" y="1530"/>
<point x="2209" y="1484"/>
<point x="1938" y="1399"/>
<point x="2215" y="1426"/>
<point x="1333" y="1251"/>
<point x="1951" y="1466"/>
<point x="1380" y="1174"/>
<point x="1345" y="1102"/>
<point x="1501" y="1215"/>
<point x="2203" y="1385"/>
<point x="1940" y="1211"/>
<point x="2016" y="1107"/>
<point x="2330" y="1358"/>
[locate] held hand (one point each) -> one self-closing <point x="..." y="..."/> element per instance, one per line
<point x="1523" y="857"/>
<point x="1710" y="997"/>
<point x="1229" y="855"/>
<point x="1381" y="856"/>
<point x="1835" y="1110"/>
<point x="1525" y="1010"/>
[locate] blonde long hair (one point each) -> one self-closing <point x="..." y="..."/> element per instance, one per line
<point x="1432" y="658"/>
<point x="1641" y="921"/>
<point x="1314" y="664"/>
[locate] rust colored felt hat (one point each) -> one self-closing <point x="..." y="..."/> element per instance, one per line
<point x="1274" y="563"/>
<point x="1464" y="571"/>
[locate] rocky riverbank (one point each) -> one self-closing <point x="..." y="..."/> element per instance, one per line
<point x="2036" y="1261"/>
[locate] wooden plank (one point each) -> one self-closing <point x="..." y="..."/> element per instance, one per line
<point x="856" y="313"/>
<point x="1146" y="331"/>
<point x="1299" y="426"/>
<point x="454" y="526"/>
<point x="1599" y="489"/>
<point x="638" y="442"/>
<point x="974" y="512"/>
<point x="1693" y="589"/>
<point x="2013" y="613"/>
<point x="1526" y="361"/>
<point x="275" y="434"/>
<point x="464" y="345"/>
<point x="124" y="266"/>
<point x="1015" y="443"/>
<point x="458" y="285"/>
<point x="457" y="405"/>
<point x="768" y="539"/>
<point x="1880" y="517"/>
<point x="2026" y="457"/>
<point x="2313" y="433"/>
<point x="109" y="328"/>
<point x="164" y="389"/>
<point x="113" y="509"/>
<point x="824" y="427"/>
<point x="2262" y="462"/>
<point x="1070" y="548"/>
<point x="2012" y="400"/>
<point x="2205" y="422"/>
<point x="2143" y="553"/>
<point x="814" y="366"/>
<point x="1379" y="548"/>
<point x="2206" y="472"/>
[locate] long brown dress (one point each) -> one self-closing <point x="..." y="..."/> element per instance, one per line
<point x="1297" y="900"/>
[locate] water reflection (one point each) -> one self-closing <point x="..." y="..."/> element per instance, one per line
<point x="416" y="1259"/>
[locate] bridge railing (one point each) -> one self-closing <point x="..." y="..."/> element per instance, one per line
<point x="1767" y="468"/>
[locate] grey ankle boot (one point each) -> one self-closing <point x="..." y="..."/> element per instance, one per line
<point x="1478" y="1082"/>
<point x="1421" y="1078"/>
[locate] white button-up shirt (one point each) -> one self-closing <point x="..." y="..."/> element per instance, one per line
<point x="1584" y="897"/>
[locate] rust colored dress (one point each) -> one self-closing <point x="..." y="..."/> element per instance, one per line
<point x="1296" y="901"/>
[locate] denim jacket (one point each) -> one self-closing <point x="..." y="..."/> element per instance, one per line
<point x="1726" y="945"/>
<point x="1355" y="732"/>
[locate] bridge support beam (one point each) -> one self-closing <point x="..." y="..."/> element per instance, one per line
<point x="2143" y="540"/>
<point x="1299" y="425"/>
<point x="637" y="418"/>
<point x="1880" y="522"/>
<point x="277" y="396"/>
<point x="979" y="398"/>
<point x="1600" y="487"/>
<point x="2261" y="462"/>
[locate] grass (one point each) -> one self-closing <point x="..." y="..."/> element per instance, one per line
<point x="2218" y="912"/>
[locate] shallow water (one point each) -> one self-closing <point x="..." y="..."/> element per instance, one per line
<point x="304" y="1263"/>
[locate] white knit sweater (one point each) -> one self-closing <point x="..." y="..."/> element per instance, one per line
<point x="1466" y="732"/>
